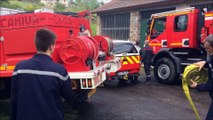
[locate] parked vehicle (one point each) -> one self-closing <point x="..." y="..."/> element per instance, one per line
<point x="130" y="58"/>
<point x="177" y="40"/>
<point x="78" y="52"/>
<point x="5" y="11"/>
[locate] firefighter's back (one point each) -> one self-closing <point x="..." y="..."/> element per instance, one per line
<point x="38" y="84"/>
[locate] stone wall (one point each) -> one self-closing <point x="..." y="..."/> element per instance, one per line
<point x="98" y="28"/>
<point x="134" y="26"/>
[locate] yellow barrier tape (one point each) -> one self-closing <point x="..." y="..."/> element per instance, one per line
<point x="192" y="72"/>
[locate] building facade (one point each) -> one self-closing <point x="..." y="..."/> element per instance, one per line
<point x="127" y="19"/>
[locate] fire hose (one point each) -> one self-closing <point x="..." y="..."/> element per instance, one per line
<point x="192" y="72"/>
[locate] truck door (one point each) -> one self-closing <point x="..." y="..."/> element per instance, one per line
<point x="179" y="35"/>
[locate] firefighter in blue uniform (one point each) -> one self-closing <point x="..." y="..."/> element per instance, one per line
<point x="38" y="83"/>
<point x="146" y="54"/>
<point x="207" y="87"/>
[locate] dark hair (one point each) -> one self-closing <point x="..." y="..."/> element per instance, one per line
<point x="209" y="39"/>
<point x="44" y="38"/>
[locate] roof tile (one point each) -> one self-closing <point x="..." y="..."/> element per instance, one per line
<point x="116" y="4"/>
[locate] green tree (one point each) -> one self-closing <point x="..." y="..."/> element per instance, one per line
<point x="17" y="4"/>
<point x="31" y="1"/>
<point x="59" y="7"/>
<point x="3" y="1"/>
<point x="87" y="4"/>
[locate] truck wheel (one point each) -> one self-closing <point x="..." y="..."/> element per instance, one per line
<point x="122" y="82"/>
<point x="134" y="79"/>
<point x="165" y="71"/>
<point x="79" y="97"/>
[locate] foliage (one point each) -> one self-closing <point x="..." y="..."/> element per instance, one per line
<point x="1" y="1"/>
<point x="94" y="29"/>
<point x="86" y="5"/>
<point x="74" y="6"/>
<point x="22" y="5"/>
<point x="29" y="5"/>
<point x="59" y="7"/>
<point x="31" y="1"/>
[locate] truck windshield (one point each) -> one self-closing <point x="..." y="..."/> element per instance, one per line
<point x="159" y="26"/>
<point x="121" y="47"/>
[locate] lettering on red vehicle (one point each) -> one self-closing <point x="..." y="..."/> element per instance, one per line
<point x="20" y="21"/>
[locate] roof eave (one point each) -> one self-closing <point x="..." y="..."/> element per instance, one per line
<point x="138" y="6"/>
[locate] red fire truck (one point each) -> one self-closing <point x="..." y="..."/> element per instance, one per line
<point x="177" y="40"/>
<point x="79" y="54"/>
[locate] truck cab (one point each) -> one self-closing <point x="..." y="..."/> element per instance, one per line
<point x="176" y="42"/>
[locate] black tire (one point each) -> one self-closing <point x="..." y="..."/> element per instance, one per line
<point x="79" y="97"/>
<point x="134" y="79"/>
<point x="5" y="91"/>
<point x="122" y="82"/>
<point x="165" y="71"/>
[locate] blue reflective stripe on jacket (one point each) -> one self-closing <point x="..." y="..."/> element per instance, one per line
<point x="37" y="86"/>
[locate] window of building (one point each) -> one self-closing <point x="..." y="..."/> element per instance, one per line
<point x="181" y="23"/>
<point x="117" y="26"/>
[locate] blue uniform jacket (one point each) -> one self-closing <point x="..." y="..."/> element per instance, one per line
<point x="208" y="87"/>
<point x="146" y="54"/>
<point x="37" y="86"/>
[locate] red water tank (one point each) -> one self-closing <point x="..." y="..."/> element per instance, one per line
<point x="105" y="43"/>
<point x="78" y="53"/>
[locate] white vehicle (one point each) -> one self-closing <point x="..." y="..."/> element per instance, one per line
<point x="6" y="11"/>
<point x="130" y="58"/>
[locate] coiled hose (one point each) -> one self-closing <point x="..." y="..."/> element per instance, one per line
<point x="192" y="72"/>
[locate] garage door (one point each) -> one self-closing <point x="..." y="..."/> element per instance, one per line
<point x="117" y="26"/>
